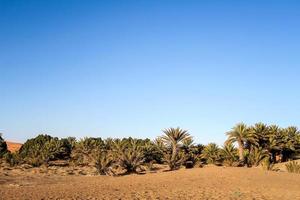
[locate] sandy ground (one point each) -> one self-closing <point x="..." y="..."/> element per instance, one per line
<point x="199" y="183"/>
<point x="13" y="146"/>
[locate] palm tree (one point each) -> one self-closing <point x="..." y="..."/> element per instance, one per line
<point x="257" y="155"/>
<point x="129" y="155"/>
<point x="82" y="154"/>
<point x="275" y="141"/>
<point x="240" y="134"/>
<point x="104" y="162"/>
<point x="173" y="138"/>
<point x="260" y="137"/>
<point x="291" y="142"/>
<point x="211" y="153"/>
<point x="229" y="154"/>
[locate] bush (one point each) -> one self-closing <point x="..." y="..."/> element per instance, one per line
<point x="293" y="167"/>
<point x="3" y="147"/>
<point x="129" y="156"/>
<point x="267" y="165"/>
<point x="256" y="156"/>
<point x="104" y="162"/>
<point x="229" y="154"/>
<point x="152" y="153"/>
<point x="12" y="159"/>
<point x="211" y="153"/>
<point x="84" y="151"/>
<point x="174" y="161"/>
<point x="44" y="148"/>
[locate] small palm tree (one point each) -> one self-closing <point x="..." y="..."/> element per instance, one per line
<point x="104" y="162"/>
<point x="84" y="150"/>
<point x="211" y="153"/>
<point x="229" y="154"/>
<point x="257" y="155"/>
<point x="129" y="156"/>
<point x="173" y="138"/>
<point x="240" y="134"/>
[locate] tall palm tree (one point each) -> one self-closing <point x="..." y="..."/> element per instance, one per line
<point x="240" y="134"/>
<point x="275" y="141"/>
<point x="173" y="138"/>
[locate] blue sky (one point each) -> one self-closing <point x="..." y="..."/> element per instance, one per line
<point x="132" y="68"/>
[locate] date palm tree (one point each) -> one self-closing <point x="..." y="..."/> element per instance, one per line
<point x="211" y="153"/>
<point x="104" y="162"/>
<point x="129" y="155"/>
<point x="275" y="141"/>
<point x="229" y="154"/>
<point x="173" y="138"/>
<point x="240" y="134"/>
<point x="260" y="136"/>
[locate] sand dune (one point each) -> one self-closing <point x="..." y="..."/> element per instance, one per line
<point x="13" y="146"/>
<point x="200" y="183"/>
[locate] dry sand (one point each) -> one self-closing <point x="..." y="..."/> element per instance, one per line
<point x="200" y="183"/>
<point x="13" y="146"/>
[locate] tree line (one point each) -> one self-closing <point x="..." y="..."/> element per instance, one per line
<point x="259" y="144"/>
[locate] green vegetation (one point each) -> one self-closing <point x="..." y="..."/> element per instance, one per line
<point x="211" y="153"/>
<point x="3" y="147"/>
<point x="172" y="140"/>
<point x="44" y="148"/>
<point x="255" y="145"/>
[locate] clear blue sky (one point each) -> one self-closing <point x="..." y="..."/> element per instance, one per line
<point x="132" y="68"/>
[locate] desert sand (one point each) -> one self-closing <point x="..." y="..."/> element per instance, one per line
<point x="210" y="182"/>
<point x="13" y="146"/>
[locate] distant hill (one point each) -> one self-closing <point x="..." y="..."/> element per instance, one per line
<point x="13" y="146"/>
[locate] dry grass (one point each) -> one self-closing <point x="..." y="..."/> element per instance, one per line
<point x="210" y="182"/>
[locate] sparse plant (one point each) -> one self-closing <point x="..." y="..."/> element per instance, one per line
<point x="293" y="167"/>
<point x="267" y="165"/>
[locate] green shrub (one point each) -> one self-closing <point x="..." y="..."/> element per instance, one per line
<point x="293" y="167"/>
<point x="12" y="159"/>
<point x="211" y="153"/>
<point x="84" y="151"/>
<point x="104" y="162"/>
<point x="152" y="153"/>
<point x="44" y="148"/>
<point x="229" y="154"/>
<point x="129" y="155"/>
<point x="256" y="156"/>
<point x="3" y="147"/>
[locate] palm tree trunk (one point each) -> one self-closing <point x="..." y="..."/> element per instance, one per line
<point x="174" y="151"/>
<point x="241" y="151"/>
